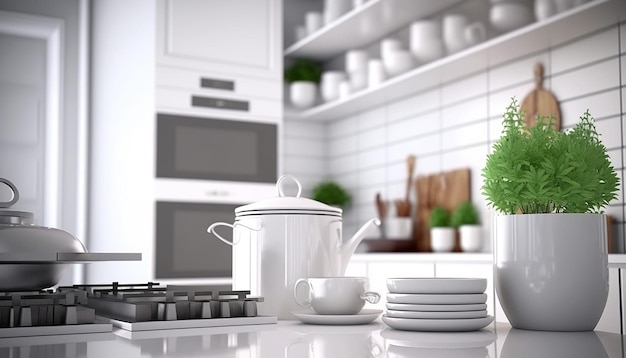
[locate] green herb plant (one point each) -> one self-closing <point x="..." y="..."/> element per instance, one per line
<point x="439" y="217"/>
<point x="465" y="214"/>
<point x="543" y="170"/>
<point x="331" y="193"/>
<point x="303" y="70"/>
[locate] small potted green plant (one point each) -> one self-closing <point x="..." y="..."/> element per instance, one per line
<point x="331" y="193"/>
<point x="442" y="233"/>
<point x="467" y="220"/>
<point x="303" y="76"/>
<point x="550" y="188"/>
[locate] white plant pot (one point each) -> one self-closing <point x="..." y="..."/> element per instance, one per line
<point x="303" y="94"/>
<point x="442" y="239"/>
<point x="471" y="237"/>
<point x="551" y="270"/>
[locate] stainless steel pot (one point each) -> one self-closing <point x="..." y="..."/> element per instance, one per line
<point x="28" y="252"/>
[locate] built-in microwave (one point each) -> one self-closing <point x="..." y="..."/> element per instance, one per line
<point x="206" y="167"/>
<point x="207" y="148"/>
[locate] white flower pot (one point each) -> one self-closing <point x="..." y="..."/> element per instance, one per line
<point x="551" y="270"/>
<point x="442" y="239"/>
<point x="471" y="237"/>
<point x="303" y="94"/>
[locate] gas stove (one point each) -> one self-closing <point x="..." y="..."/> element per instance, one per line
<point x="132" y="307"/>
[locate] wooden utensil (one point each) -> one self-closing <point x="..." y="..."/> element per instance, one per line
<point x="540" y="102"/>
<point x="403" y="207"/>
<point x="381" y="207"/>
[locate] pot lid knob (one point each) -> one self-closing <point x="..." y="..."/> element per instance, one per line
<point x="14" y="192"/>
<point x="279" y="183"/>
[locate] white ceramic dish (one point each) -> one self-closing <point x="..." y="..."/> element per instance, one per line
<point x="436" y="308"/>
<point x="437" y="314"/>
<point x="437" y="299"/>
<point x="436" y="285"/>
<point x="438" y="325"/>
<point x="363" y="317"/>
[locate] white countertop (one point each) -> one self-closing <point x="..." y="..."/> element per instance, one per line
<point x="294" y="339"/>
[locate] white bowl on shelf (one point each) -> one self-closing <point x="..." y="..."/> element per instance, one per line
<point x="397" y="62"/>
<point x="507" y="16"/>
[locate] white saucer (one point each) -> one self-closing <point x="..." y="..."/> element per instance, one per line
<point x="363" y="317"/>
<point x="437" y="315"/>
<point x="438" y="325"/>
<point x="453" y="340"/>
<point x="437" y="299"/>
<point x="436" y="285"/>
<point x="438" y="308"/>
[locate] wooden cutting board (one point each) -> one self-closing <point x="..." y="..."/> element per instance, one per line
<point x="448" y="189"/>
<point x="540" y="102"/>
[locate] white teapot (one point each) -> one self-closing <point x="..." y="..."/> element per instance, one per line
<point x="280" y="240"/>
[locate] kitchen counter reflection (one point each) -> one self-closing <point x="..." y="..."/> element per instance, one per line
<point x="291" y="339"/>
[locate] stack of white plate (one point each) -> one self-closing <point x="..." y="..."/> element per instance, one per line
<point x="437" y="304"/>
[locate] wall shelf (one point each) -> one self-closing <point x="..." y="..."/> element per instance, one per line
<point x="364" y="25"/>
<point x="535" y="37"/>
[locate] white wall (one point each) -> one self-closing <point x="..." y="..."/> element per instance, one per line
<point x="455" y="124"/>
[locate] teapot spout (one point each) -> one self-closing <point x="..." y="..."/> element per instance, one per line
<point x="349" y="247"/>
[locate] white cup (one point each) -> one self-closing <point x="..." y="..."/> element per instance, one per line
<point x="329" y="85"/>
<point x="344" y="89"/>
<point x="454" y="32"/>
<point x="375" y="72"/>
<point x="397" y="62"/>
<point x="388" y="46"/>
<point x="398" y="228"/>
<point x="335" y="295"/>
<point x="334" y="9"/>
<point x="358" y="79"/>
<point x="356" y="60"/>
<point x="475" y="33"/>
<point x="425" y="41"/>
<point x="313" y="21"/>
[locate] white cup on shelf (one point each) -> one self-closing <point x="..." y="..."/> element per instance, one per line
<point x="425" y="41"/>
<point x="375" y="72"/>
<point x="313" y="22"/>
<point x="356" y="60"/>
<point x="334" y="9"/>
<point x="388" y="46"/>
<point x="330" y="84"/>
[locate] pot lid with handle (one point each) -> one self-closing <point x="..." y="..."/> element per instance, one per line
<point x="288" y="204"/>
<point x="13" y="216"/>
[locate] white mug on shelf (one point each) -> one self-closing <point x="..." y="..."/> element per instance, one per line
<point x="453" y="32"/>
<point x="475" y="33"/>
<point x="330" y="84"/>
<point x="335" y="295"/>
<point x="334" y="9"/>
<point x="313" y="22"/>
<point x="389" y="45"/>
<point x="425" y="41"/>
<point x="375" y="72"/>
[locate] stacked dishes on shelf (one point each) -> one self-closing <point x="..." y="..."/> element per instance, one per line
<point x="437" y="304"/>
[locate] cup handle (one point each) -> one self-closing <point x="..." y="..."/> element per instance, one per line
<point x="370" y="296"/>
<point x="211" y="230"/>
<point x="307" y="302"/>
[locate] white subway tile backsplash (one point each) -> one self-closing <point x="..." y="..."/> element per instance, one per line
<point x="500" y="100"/>
<point x="343" y="145"/>
<point x="587" y="80"/>
<point x="371" y="158"/>
<point x="371" y="138"/>
<point x="518" y="72"/>
<point x="495" y="129"/>
<point x="419" y="103"/>
<point x="310" y="166"/>
<point x="600" y="105"/>
<point x="465" y="136"/>
<point x="372" y="176"/>
<point x="414" y="126"/>
<point x="374" y="118"/>
<point x="623" y="67"/>
<point x="338" y="165"/>
<point x="616" y="157"/>
<point x="593" y="48"/>
<point x="299" y="129"/>
<point x="305" y="147"/>
<point x="464" y="112"/>
<point x="464" y="89"/>
<point x="606" y="129"/>
<point x="622" y="37"/>
<point x="343" y="127"/>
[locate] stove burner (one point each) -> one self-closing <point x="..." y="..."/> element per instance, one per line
<point x="45" y="308"/>
<point x="150" y="302"/>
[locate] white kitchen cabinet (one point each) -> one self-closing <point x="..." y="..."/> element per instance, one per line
<point x="498" y="50"/>
<point x="231" y="37"/>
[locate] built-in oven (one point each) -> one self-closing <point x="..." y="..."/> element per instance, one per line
<point x="206" y="167"/>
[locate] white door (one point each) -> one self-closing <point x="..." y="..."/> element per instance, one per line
<point x="30" y="103"/>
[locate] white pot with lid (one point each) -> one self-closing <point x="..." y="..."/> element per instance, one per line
<point x="280" y="240"/>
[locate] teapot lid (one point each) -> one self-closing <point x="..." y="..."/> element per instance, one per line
<point x="287" y="204"/>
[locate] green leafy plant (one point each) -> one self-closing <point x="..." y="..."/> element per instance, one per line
<point x="439" y="217"/>
<point x="303" y="70"/>
<point x="465" y="214"/>
<point x="543" y="170"/>
<point x="331" y="193"/>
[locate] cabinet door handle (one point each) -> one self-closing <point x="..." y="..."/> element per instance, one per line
<point x="221" y="103"/>
<point x="206" y="82"/>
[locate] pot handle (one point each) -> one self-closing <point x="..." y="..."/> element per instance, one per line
<point x="15" y="193"/>
<point x="279" y="190"/>
<point x="211" y="230"/>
